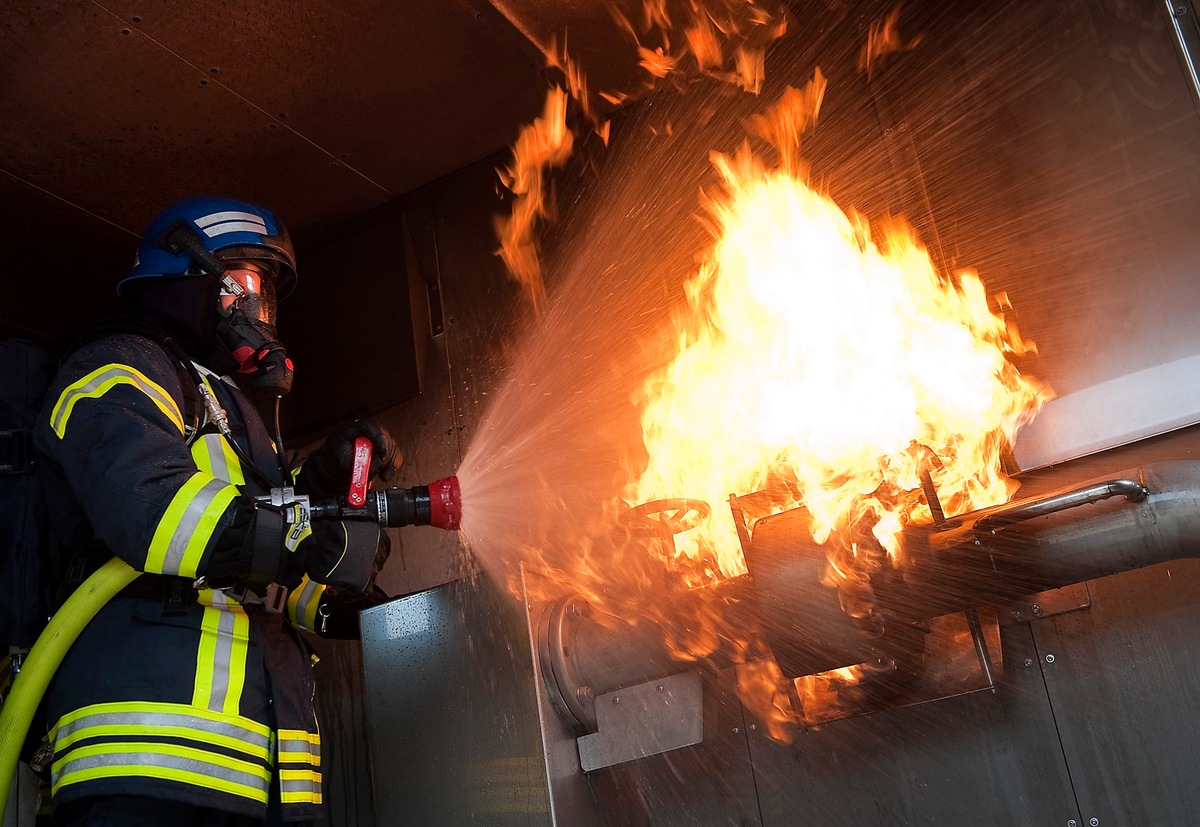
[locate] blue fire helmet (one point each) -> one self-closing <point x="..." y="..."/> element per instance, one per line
<point x="229" y="229"/>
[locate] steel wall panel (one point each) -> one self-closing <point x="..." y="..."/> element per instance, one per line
<point x="980" y="759"/>
<point x="452" y="709"/>
<point x="1124" y="682"/>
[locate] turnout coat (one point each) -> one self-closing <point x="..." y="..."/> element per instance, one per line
<point x="174" y="690"/>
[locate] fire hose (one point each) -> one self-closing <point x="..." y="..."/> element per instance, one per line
<point x="438" y="504"/>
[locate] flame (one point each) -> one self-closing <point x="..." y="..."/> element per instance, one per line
<point x="762" y="688"/>
<point x="548" y="141"/>
<point x="545" y="143"/>
<point x="656" y="61"/>
<point x="883" y="39"/>
<point x="830" y="361"/>
<point x="704" y="43"/>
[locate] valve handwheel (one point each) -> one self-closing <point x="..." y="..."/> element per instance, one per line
<point x="674" y="515"/>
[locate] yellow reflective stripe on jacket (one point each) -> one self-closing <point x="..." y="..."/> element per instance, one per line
<point x="184" y="530"/>
<point x="299" y="747"/>
<point x="213" y="455"/>
<point x="299" y="787"/>
<point x="149" y="759"/>
<point x="221" y="655"/>
<point x="299" y="758"/>
<point x="101" y="381"/>
<point x="303" y="603"/>
<point x="143" y="718"/>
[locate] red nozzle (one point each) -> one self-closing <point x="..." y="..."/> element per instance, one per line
<point x="445" y="503"/>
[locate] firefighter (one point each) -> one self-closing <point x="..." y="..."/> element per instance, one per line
<point x="189" y="698"/>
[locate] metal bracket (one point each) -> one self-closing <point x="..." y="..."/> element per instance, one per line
<point x="647" y="719"/>
<point x="1047" y="604"/>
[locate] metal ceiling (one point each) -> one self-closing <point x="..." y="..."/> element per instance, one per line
<point x="110" y="109"/>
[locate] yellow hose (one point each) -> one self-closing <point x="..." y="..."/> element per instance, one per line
<point x="45" y="656"/>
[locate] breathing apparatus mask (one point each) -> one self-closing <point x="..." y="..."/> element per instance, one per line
<point x="246" y="329"/>
<point x="246" y="338"/>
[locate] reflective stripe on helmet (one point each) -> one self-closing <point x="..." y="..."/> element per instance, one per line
<point x="217" y="223"/>
<point x="225" y="227"/>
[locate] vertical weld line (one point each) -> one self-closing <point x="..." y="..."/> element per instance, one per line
<point x="1062" y="747"/>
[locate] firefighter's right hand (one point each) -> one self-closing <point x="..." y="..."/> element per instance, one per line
<point x="260" y="547"/>
<point x="326" y="472"/>
<point x="345" y="554"/>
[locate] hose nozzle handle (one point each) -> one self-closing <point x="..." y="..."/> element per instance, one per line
<point x="438" y="504"/>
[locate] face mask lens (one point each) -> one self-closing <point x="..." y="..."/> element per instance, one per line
<point x="256" y="299"/>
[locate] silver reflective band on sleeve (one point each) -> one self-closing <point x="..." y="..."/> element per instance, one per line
<point x="99" y="382"/>
<point x="214" y="456"/>
<point x="303" y="604"/>
<point x="299" y="787"/>
<point x="183" y="532"/>
<point x="299" y="766"/>
<point x="301" y="750"/>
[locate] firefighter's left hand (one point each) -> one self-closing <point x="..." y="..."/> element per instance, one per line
<point x="346" y="554"/>
<point x="326" y="473"/>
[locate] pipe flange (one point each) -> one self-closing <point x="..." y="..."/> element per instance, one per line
<point x="574" y="700"/>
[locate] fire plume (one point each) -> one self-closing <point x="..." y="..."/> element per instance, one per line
<point x="827" y="361"/>
<point x="882" y="39"/>
<point x="543" y="144"/>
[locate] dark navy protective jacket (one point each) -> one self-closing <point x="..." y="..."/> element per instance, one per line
<point x="208" y="700"/>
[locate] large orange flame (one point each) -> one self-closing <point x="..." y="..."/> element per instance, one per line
<point x="832" y="357"/>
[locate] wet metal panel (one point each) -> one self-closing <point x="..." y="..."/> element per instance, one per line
<point x="711" y="783"/>
<point x="1123" y="679"/>
<point x="1053" y="147"/>
<point x="990" y="760"/>
<point x="648" y="719"/>
<point x="453" y="719"/>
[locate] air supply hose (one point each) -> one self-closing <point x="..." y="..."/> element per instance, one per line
<point x="45" y="656"/>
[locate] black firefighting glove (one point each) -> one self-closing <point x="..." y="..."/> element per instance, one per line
<point x="258" y="548"/>
<point x="326" y="472"/>
<point x="345" y="554"/>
